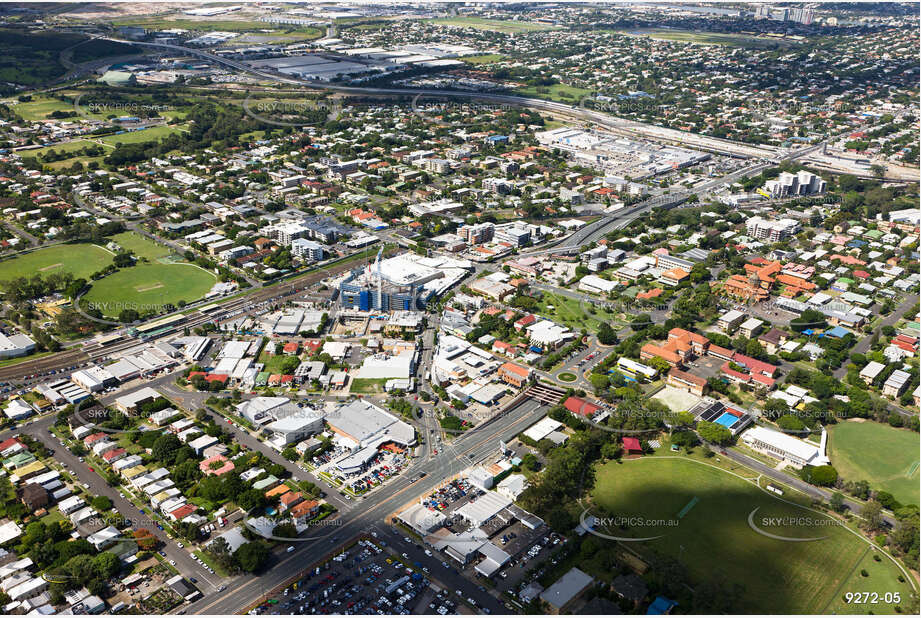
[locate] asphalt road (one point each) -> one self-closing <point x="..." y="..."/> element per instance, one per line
<point x="472" y="446"/>
<point x="787" y="479"/>
<point x="39" y="430"/>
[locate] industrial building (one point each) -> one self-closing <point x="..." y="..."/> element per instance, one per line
<point x="15" y="345"/>
<point x="365" y="428"/>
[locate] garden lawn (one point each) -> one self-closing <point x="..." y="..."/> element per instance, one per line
<point x="81" y="260"/>
<point x="884" y="456"/>
<point x="148" y="287"/>
<point x="368" y="385"/>
<point x="715" y="541"/>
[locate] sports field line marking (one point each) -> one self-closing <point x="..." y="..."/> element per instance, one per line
<point x="912" y="469"/>
<point x="149" y="288"/>
<point x="688" y="507"/>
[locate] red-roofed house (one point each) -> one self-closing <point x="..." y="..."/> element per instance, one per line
<point x="632" y="446"/>
<point x="216" y="466"/>
<point x="291" y="347"/>
<point x="313" y="345"/>
<point x="524" y="321"/>
<point x="11" y="446"/>
<point x="182" y="512"/>
<point x="580" y="407"/>
<point x="302" y="512"/>
<point x="114" y="455"/>
<point x="500" y="347"/>
<point x="289" y="499"/>
<point x="92" y="439"/>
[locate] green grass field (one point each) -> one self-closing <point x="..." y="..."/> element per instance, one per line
<point x="573" y="313"/>
<point x="147" y="135"/>
<point x="140" y="246"/>
<point x="39" y="108"/>
<point x="73" y="146"/>
<point x="81" y="260"/>
<point x="879" y="454"/>
<point x="483" y="59"/>
<point x="492" y="25"/>
<point x="148" y="287"/>
<point x="715" y="542"/>
<point x="556" y="92"/>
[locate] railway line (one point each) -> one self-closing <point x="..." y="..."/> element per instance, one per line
<point x="92" y="351"/>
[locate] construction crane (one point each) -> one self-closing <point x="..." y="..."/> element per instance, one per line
<point x="377" y="265"/>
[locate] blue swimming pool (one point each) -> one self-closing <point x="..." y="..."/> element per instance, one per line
<point x="727" y="420"/>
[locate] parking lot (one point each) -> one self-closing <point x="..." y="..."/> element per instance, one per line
<point x="364" y="578"/>
<point x="385" y="465"/>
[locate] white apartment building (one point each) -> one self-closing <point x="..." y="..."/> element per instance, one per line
<point x="771" y="230"/>
<point x="791" y="185"/>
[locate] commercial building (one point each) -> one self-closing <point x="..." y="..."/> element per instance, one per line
<point x="367" y="427"/>
<point x="15" y="345"/>
<point x="129" y="403"/>
<point x="515" y="375"/>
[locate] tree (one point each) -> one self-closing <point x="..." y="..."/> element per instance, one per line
<point x="836" y="502"/>
<point x="106" y="565"/>
<point x="788" y="422"/>
<point x="165" y="447"/>
<point x="685" y="438"/>
<point x="285" y="530"/>
<point x="824" y="476"/>
<point x="714" y="432"/>
<point x="530" y="462"/>
<point x="606" y="334"/>
<point x="145" y="539"/>
<point x="101" y="503"/>
<point x="251" y="556"/>
<point x="872" y="514"/>
<point x="810" y="318"/>
<point x="659" y="364"/>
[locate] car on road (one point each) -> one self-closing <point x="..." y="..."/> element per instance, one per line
<point x="172" y="562"/>
<point x="290" y="549"/>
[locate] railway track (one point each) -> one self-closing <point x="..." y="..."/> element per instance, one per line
<point x="88" y="352"/>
